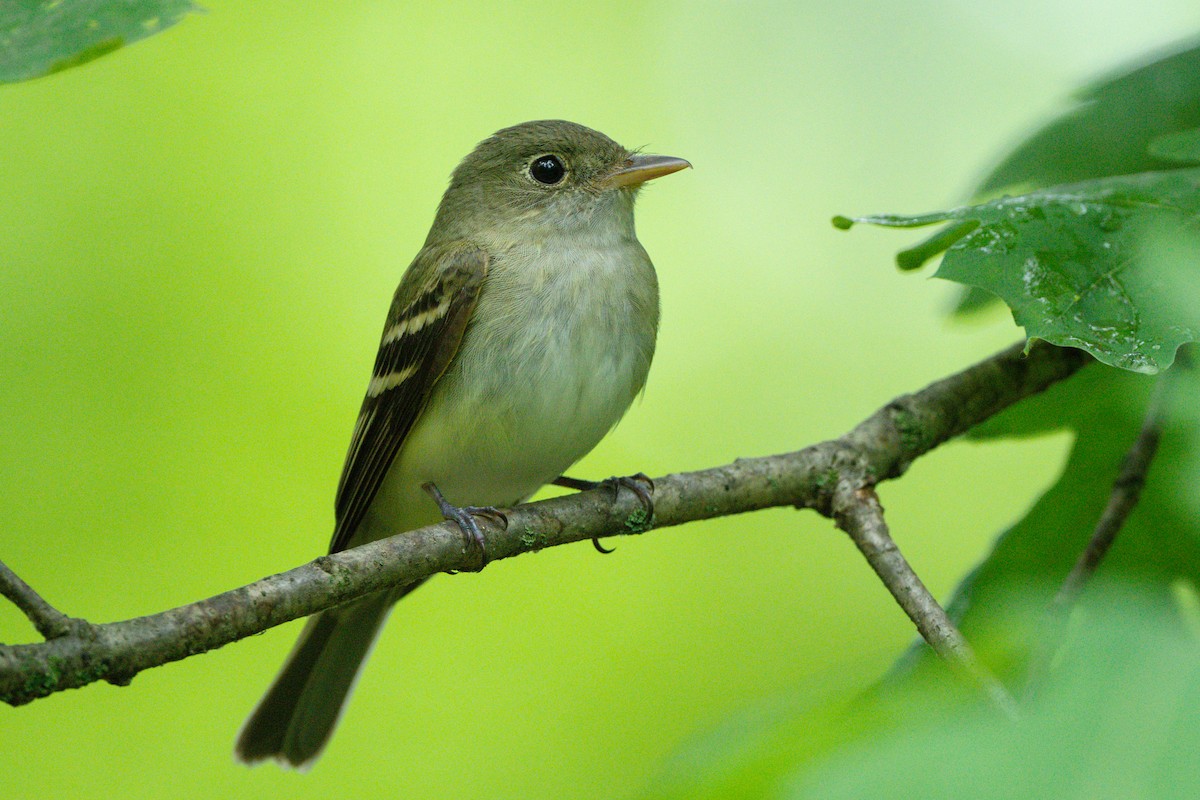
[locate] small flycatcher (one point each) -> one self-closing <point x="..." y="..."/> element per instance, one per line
<point x="517" y="338"/>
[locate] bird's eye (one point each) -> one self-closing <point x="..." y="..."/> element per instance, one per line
<point x="547" y="169"/>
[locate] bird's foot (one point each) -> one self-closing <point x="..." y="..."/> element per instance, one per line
<point x="640" y="484"/>
<point x="464" y="517"/>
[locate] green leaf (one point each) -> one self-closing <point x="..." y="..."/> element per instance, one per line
<point x="973" y="300"/>
<point x="38" y="38"/>
<point x="1183" y="146"/>
<point x="1109" y="266"/>
<point x="1124" y="124"/>
<point x="1111" y="130"/>
<point x="1117" y="717"/>
<point x="752" y="753"/>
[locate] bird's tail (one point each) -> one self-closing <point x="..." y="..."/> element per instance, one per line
<point x="297" y="715"/>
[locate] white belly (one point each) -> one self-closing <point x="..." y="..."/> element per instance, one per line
<point x="530" y="391"/>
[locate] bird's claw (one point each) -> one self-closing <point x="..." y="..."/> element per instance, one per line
<point x="640" y="484"/>
<point x="464" y="517"/>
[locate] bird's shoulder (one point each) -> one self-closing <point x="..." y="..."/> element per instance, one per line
<point x="437" y="273"/>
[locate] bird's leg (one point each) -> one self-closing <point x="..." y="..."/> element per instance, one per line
<point x="463" y="516"/>
<point x="640" y="484"/>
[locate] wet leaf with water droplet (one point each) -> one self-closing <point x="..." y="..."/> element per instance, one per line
<point x="1111" y="266"/>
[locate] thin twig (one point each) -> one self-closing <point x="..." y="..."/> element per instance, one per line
<point x="1127" y="489"/>
<point x="859" y="513"/>
<point x="49" y="621"/>
<point x="880" y="448"/>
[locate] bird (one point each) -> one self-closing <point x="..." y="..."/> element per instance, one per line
<point x="517" y="338"/>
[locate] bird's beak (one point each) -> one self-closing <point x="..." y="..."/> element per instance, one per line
<point x="638" y="169"/>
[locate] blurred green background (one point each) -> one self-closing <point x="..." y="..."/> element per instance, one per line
<point x="199" y="237"/>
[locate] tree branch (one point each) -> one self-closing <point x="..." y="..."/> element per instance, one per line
<point x="49" y="621"/>
<point x="880" y="448"/>
<point x="859" y="513"/>
<point x="1127" y="489"/>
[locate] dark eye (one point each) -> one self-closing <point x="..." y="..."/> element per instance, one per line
<point x="547" y="169"/>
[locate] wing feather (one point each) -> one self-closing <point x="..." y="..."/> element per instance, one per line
<point x="424" y="329"/>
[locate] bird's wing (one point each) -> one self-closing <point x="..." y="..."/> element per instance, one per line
<point x="425" y="325"/>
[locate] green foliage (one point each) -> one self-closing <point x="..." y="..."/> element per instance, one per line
<point x="1107" y="265"/>
<point x="40" y="38"/>
<point x="1106" y="260"/>
<point x="1112" y="129"/>
<point x="1117" y="717"/>
<point x="1182" y="146"/>
<point x="1159" y="543"/>
<point x="1122" y="125"/>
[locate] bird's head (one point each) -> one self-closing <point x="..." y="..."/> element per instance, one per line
<point x="546" y="174"/>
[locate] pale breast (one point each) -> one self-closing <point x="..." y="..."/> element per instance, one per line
<point x="553" y="357"/>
